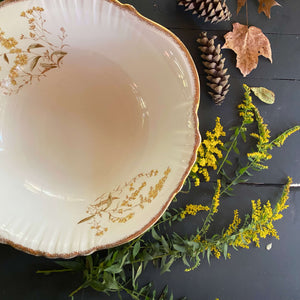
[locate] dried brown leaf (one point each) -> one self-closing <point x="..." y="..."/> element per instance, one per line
<point x="265" y="6"/>
<point x="240" y="4"/>
<point x="248" y="43"/>
<point x="264" y="94"/>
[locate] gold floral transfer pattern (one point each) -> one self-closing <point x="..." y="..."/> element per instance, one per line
<point x="120" y="205"/>
<point x="31" y="56"/>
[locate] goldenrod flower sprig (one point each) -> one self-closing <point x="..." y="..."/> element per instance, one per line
<point x="106" y="273"/>
<point x="232" y="228"/>
<point x="246" y="112"/>
<point x="261" y="224"/>
<point x="121" y="267"/>
<point x="192" y="209"/>
<point x="249" y="112"/>
<point x="258" y="226"/>
<point x="213" y="210"/>
<point x="208" y="153"/>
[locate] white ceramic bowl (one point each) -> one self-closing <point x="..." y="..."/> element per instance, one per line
<point x="99" y="129"/>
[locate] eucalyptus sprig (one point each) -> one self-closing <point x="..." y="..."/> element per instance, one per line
<point x="120" y="269"/>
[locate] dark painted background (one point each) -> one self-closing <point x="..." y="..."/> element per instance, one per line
<point x="250" y="274"/>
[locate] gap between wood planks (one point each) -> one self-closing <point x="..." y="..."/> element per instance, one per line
<point x="259" y="78"/>
<point x="293" y="185"/>
<point x="224" y="30"/>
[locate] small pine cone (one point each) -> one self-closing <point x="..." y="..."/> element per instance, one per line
<point x="214" y="68"/>
<point x="213" y="10"/>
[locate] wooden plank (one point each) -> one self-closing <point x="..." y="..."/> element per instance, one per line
<point x="169" y="14"/>
<point x="281" y="115"/>
<point x="285" y="48"/>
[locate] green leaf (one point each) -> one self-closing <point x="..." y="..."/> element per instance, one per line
<point x="114" y="269"/>
<point x="228" y="193"/>
<point x="166" y="266"/>
<point x="146" y="256"/>
<point x="165" y="244"/>
<point x="243" y="180"/>
<point x="225" y="249"/>
<point x="139" y="271"/>
<point x="208" y="255"/>
<point x="97" y="286"/>
<point x="70" y="264"/>
<point x="114" y="256"/>
<point x="236" y="150"/>
<point x="227" y="144"/>
<point x="236" y="132"/>
<point x="243" y="135"/>
<point x="110" y="281"/>
<point x="113" y="285"/>
<point x="135" y="276"/>
<point x="243" y="170"/>
<point x="223" y="148"/>
<point x="185" y="260"/>
<point x="265" y="95"/>
<point x="164" y="293"/>
<point x="179" y="248"/>
<point x="123" y="276"/>
<point x="145" y="290"/>
<point x="123" y="260"/>
<point x="155" y="235"/>
<point x="89" y="260"/>
<point x="136" y="249"/>
<point x="228" y="162"/>
<point x="248" y="173"/>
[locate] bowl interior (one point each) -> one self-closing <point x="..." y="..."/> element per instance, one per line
<point x="101" y="110"/>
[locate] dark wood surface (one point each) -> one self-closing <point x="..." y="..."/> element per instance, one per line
<point x="252" y="274"/>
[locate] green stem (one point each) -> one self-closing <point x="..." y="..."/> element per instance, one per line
<point x="154" y="257"/>
<point x="166" y="220"/>
<point x="249" y="165"/>
<point x="206" y="223"/>
<point x="230" y="148"/>
<point x="236" y="178"/>
<point x="53" y="271"/>
<point x="133" y="294"/>
<point x="189" y="187"/>
<point x="78" y="289"/>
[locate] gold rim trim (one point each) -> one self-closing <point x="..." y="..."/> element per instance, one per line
<point x="193" y="69"/>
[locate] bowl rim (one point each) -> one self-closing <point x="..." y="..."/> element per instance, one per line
<point x="132" y="10"/>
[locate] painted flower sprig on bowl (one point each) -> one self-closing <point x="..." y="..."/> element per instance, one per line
<point x="118" y="269"/>
<point x="31" y="56"/>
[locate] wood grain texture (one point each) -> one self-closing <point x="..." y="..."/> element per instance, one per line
<point x="250" y="274"/>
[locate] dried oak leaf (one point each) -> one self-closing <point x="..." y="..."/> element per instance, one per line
<point x="240" y="4"/>
<point x="248" y="43"/>
<point x="265" y="6"/>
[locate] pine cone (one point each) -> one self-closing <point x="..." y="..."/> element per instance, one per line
<point x="214" y="67"/>
<point x="213" y="10"/>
